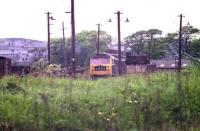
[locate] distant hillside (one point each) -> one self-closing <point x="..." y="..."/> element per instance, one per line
<point x="22" y="51"/>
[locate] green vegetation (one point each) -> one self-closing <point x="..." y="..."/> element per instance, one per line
<point x="85" y="47"/>
<point x="129" y="103"/>
<point x="194" y="49"/>
<point x="157" y="46"/>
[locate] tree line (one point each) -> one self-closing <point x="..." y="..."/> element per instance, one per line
<point x="151" y="42"/>
<point x="157" y="46"/>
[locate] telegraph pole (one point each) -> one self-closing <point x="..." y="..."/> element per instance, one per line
<point x="181" y="94"/>
<point x="119" y="41"/>
<point x="98" y="41"/>
<point x="73" y="39"/>
<point x="180" y="44"/>
<point x="63" y="33"/>
<point x="48" y="33"/>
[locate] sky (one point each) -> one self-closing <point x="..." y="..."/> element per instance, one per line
<point x="27" y="18"/>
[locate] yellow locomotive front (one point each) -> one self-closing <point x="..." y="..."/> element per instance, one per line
<point x="101" y="65"/>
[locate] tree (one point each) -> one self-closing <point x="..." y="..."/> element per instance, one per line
<point x="171" y="42"/>
<point x="148" y="42"/>
<point x="194" y="48"/>
<point x="136" y="41"/>
<point x="85" y="47"/>
<point x="156" y="46"/>
<point x="57" y="51"/>
<point x="152" y="36"/>
<point x="159" y="49"/>
<point x="190" y="33"/>
<point x="87" y="41"/>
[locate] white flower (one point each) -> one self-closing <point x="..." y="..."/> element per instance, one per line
<point x="130" y="102"/>
<point x="113" y="114"/>
<point x="99" y="113"/>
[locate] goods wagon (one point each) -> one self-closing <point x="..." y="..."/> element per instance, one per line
<point x="5" y="66"/>
<point x="134" y="59"/>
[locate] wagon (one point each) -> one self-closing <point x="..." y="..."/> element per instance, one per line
<point x="5" y="66"/>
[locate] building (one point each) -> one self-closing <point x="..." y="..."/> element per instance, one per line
<point x="22" y="51"/>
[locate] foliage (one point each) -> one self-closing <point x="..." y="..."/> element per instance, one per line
<point x="136" y="102"/>
<point x="85" y="47"/>
<point x="147" y="42"/>
<point x="156" y="46"/>
<point x="40" y="65"/>
<point x="159" y="49"/>
<point x="152" y="37"/>
<point x="194" y="48"/>
<point x="38" y="53"/>
<point x="190" y="32"/>
<point x="136" y="41"/>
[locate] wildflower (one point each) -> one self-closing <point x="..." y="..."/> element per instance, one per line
<point x="99" y="113"/>
<point x="130" y="101"/>
<point x="113" y="114"/>
<point x="135" y="101"/>
<point x="107" y="119"/>
<point x="51" y="65"/>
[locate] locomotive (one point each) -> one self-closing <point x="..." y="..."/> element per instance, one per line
<point x="105" y="64"/>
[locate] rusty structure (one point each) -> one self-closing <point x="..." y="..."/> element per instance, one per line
<point x="132" y="59"/>
<point x="5" y="66"/>
<point x="20" y="70"/>
<point x="136" y="63"/>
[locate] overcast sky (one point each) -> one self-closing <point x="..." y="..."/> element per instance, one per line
<point x="27" y="18"/>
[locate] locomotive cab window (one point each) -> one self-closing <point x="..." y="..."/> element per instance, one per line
<point x="97" y="61"/>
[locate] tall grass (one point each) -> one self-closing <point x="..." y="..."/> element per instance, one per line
<point x="132" y="102"/>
